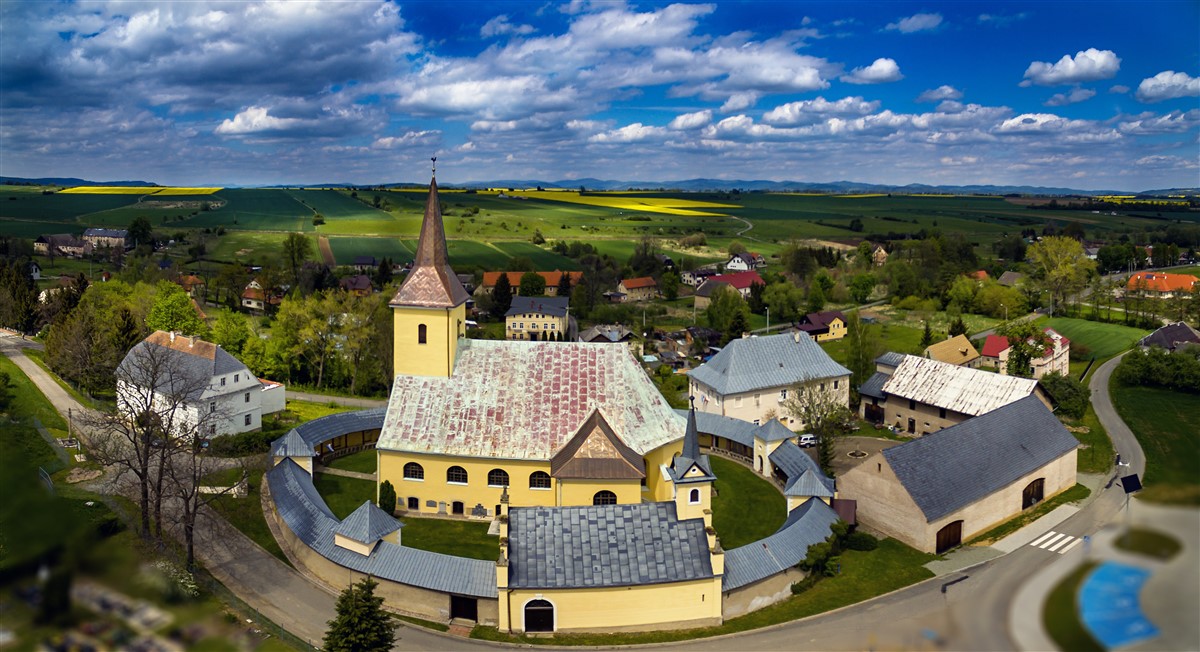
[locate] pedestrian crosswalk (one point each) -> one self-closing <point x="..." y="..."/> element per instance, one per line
<point x="1056" y="542"/>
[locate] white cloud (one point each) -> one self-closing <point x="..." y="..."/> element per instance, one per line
<point x="883" y="70"/>
<point x="499" y="26"/>
<point x="916" y="23"/>
<point x="739" y="101"/>
<point x="255" y="120"/>
<point x="1119" y="89"/>
<point x="1168" y="85"/>
<point x="959" y="160"/>
<point x="634" y="133"/>
<point x="1167" y="162"/>
<point x="423" y="138"/>
<point x="940" y="93"/>
<point x="1000" y="21"/>
<point x="1149" y="123"/>
<point x="810" y="111"/>
<point x="1087" y="65"/>
<point x="1076" y="96"/>
<point x="692" y="120"/>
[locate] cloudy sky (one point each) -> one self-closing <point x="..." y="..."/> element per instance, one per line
<point x="1086" y="95"/>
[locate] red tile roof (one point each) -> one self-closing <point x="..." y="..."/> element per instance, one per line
<point x="639" y="282"/>
<point x="1162" y="281"/>
<point x="739" y="280"/>
<point x="994" y="346"/>
<point x="514" y="278"/>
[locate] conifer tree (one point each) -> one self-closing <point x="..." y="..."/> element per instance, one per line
<point x="361" y="624"/>
<point x="502" y="295"/>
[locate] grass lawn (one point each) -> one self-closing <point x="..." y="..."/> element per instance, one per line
<point x="246" y="514"/>
<point x="1150" y="543"/>
<point x="1101" y="339"/>
<point x="1061" y="618"/>
<point x="864" y="575"/>
<point x="1074" y="494"/>
<point x="893" y="337"/>
<point x="1098" y="456"/>
<point x="745" y="507"/>
<point x="1165" y="425"/>
<point x="451" y="537"/>
<point x="360" y="462"/>
<point x="344" y="495"/>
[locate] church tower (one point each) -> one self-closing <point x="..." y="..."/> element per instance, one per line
<point x="429" y="310"/>
<point x="693" y="477"/>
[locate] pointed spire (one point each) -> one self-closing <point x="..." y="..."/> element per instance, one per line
<point x="431" y="283"/>
<point x="691" y="438"/>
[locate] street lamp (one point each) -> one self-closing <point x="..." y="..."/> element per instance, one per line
<point x="1005" y="311"/>
<point x="768" y="319"/>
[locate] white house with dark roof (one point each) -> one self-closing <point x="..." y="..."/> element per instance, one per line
<point x="1172" y="337"/>
<point x="195" y="385"/>
<point x="752" y="378"/>
<point x="935" y="492"/>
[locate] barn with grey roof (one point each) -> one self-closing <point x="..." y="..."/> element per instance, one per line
<point x="942" y="489"/>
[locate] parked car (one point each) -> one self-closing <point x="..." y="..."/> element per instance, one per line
<point x="808" y="441"/>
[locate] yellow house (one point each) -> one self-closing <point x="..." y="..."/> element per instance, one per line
<point x="471" y="420"/>
<point x="537" y="318"/>
<point x="824" y="326"/>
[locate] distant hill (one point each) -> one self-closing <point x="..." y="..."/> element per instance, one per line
<point x="70" y="181"/>
<point x="684" y="185"/>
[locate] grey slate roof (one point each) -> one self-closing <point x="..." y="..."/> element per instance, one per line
<point x="752" y="363"/>
<point x="159" y="360"/>
<point x="956" y="466"/>
<point x="327" y="427"/>
<point x="105" y="233"/>
<point x="307" y="516"/>
<point x="736" y="430"/>
<point x="553" y="306"/>
<point x="805" y="525"/>
<point x="367" y="524"/>
<point x="690" y="456"/>
<point x="604" y="545"/>
<point x="1170" y="336"/>
<point x="804" y="477"/>
<point x="874" y="386"/>
<point x="773" y="430"/>
<point x="891" y="359"/>
<point x="291" y="445"/>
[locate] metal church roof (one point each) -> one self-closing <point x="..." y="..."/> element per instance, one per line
<point x="431" y="283"/>
<point x="306" y="515"/>
<point x="291" y="445"/>
<point x="751" y="363"/>
<point x="604" y="545"/>
<point x="804" y="477"/>
<point x="367" y="524"/>
<point x="730" y="428"/>
<point x="807" y="524"/>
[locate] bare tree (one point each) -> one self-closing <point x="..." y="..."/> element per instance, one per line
<point x="822" y="414"/>
<point x="187" y="471"/>
<point x="160" y="392"/>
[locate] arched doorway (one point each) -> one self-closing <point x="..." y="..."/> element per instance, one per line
<point x="1033" y="493"/>
<point x="949" y="536"/>
<point x="539" y="616"/>
<point x="456" y="507"/>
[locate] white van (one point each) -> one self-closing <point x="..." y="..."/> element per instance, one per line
<point x="808" y="441"/>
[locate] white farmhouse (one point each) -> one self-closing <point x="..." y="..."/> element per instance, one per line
<point x="193" y="386"/>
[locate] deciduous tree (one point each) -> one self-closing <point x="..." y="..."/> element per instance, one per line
<point x="173" y="311"/>
<point x="1026" y="341"/>
<point x="1060" y="267"/>
<point x="532" y="284"/>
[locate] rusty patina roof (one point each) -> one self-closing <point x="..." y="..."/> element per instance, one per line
<point x="597" y="453"/>
<point x="431" y="283"/>
<point x="525" y="400"/>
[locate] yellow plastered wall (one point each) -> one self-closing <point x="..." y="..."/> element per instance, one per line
<point x="476" y="491"/>
<point x="581" y="492"/>
<point x="436" y="356"/>
<point x="350" y="544"/>
<point x="655" y="606"/>
<point x="684" y="507"/>
<point x="659" y="488"/>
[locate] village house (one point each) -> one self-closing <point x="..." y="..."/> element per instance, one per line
<point x="1010" y="279"/>
<point x="697" y="277"/>
<point x="1161" y="284"/>
<point x="537" y="318"/>
<point x="256" y="299"/>
<point x="1172" y="337"/>
<point x="918" y="396"/>
<point x="740" y="281"/>
<point x="365" y="264"/>
<point x="823" y="326"/>
<point x="935" y="492"/>
<point x="192" y="285"/>
<point x="745" y="262"/>
<point x="107" y="238"/>
<point x="514" y="281"/>
<point x="879" y="255"/>
<point x="1056" y="358"/>
<point x="609" y="333"/>
<point x="217" y="393"/>
<point x="61" y="244"/>
<point x="752" y="379"/>
<point x="358" y="285"/>
<point x="957" y="350"/>
<point x="642" y="288"/>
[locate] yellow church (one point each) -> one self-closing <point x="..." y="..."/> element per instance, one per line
<point x="598" y="489"/>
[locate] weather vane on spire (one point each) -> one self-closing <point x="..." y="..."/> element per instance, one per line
<point x="434" y="159"/>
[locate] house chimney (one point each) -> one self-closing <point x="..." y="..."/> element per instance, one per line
<point x="796" y="336"/>
<point x="172" y="337"/>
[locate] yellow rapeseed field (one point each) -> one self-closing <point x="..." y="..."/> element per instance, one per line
<point x="137" y="190"/>
<point x="663" y="205"/>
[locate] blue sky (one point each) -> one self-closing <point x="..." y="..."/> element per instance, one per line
<point x="1085" y="95"/>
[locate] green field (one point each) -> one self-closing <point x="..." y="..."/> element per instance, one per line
<point x="747" y="507"/>
<point x="1165" y="424"/>
<point x="1103" y="340"/>
<point x="346" y="248"/>
<point x="542" y="259"/>
<point x="451" y="537"/>
<point x="343" y="495"/>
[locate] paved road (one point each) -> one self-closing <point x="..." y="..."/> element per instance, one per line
<point x="348" y="401"/>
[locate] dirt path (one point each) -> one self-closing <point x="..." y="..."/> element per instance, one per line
<point x="326" y="250"/>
